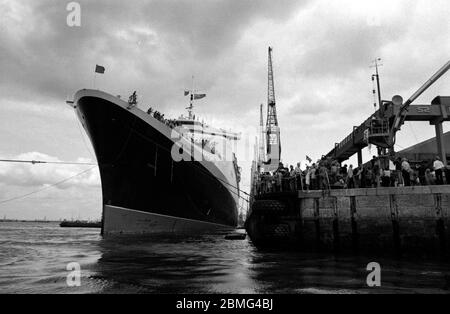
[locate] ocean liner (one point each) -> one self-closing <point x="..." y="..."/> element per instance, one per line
<point x="159" y="175"/>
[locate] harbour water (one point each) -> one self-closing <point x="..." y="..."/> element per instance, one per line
<point x="34" y="257"/>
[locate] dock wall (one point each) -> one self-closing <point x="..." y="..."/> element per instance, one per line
<point x="388" y="219"/>
<point x="396" y="220"/>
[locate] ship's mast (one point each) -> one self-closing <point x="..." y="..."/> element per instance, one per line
<point x="376" y="77"/>
<point x="272" y="129"/>
<point x="191" y="103"/>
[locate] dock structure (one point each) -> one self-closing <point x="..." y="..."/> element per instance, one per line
<point x="435" y="113"/>
<point x="391" y="220"/>
<point x="381" y="127"/>
<point x="397" y="217"/>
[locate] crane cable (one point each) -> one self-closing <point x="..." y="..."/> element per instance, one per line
<point x="92" y="164"/>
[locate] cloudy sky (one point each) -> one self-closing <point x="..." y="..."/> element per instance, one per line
<point x="322" y="51"/>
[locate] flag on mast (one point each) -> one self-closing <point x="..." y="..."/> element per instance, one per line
<point x="99" y="69"/>
<point x="308" y="159"/>
<point x="186" y="92"/>
<point x="199" y="96"/>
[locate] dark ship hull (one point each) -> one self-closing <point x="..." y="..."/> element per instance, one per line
<point x="144" y="189"/>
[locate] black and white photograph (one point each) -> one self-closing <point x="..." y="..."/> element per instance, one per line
<point x="224" y="153"/>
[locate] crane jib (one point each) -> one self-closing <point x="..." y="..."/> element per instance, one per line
<point x="426" y="85"/>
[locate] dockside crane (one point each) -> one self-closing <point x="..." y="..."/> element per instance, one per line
<point x="380" y="128"/>
<point x="392" y="114"/>
<point x="262" y="149"/>
<point x="400" y="116"/>
<point x="273" y="145"/>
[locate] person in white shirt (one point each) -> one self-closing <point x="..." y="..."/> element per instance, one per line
<point x="298" y="170"/>
<point x="308" y="178"/>
<point x="406" y="172"/>
<point x="438" y="166"/>
<point x="350" y="179"/>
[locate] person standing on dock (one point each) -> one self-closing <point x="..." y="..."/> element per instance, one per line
<point x="386" y="177"/>
<point x="370" y="182"/>
<point x="298" y="177"/>
<point x="292" y="178"/>
<point x="279" y="178"/>
<point x="438" y="166"/>
<point x="376" y="166"/>
<point x="323" y="177"/>
<point x="308" y="178"/>
<point x="447" y="175"/>
<point x="334" y="172"/>
<point x="344" y="171"/>
<point x="313" y="174"/>
<point x="406" y="169"/>
<point x="350" y="182"/>
<point x="362" y="177"/>
<point x="398" y="172"/>
<point x="429" y="180"/>
<point x="357" y="177"/>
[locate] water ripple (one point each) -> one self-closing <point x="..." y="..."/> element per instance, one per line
<point x="34" y="256"/>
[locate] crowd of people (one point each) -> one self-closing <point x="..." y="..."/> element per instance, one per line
<point x="172" y="123"/>
<point x="330" y="174"/>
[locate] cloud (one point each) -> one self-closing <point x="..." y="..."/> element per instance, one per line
<point x="346" y="41"/>
<point x="141" y="44"/>
<point x="54" y="204"/>
<point x="322" y="51"/>
<point x="30" y="191"/>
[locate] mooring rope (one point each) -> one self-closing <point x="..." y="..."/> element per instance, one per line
<point x="47" y="162"/>
<point x="45" y="188"/>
